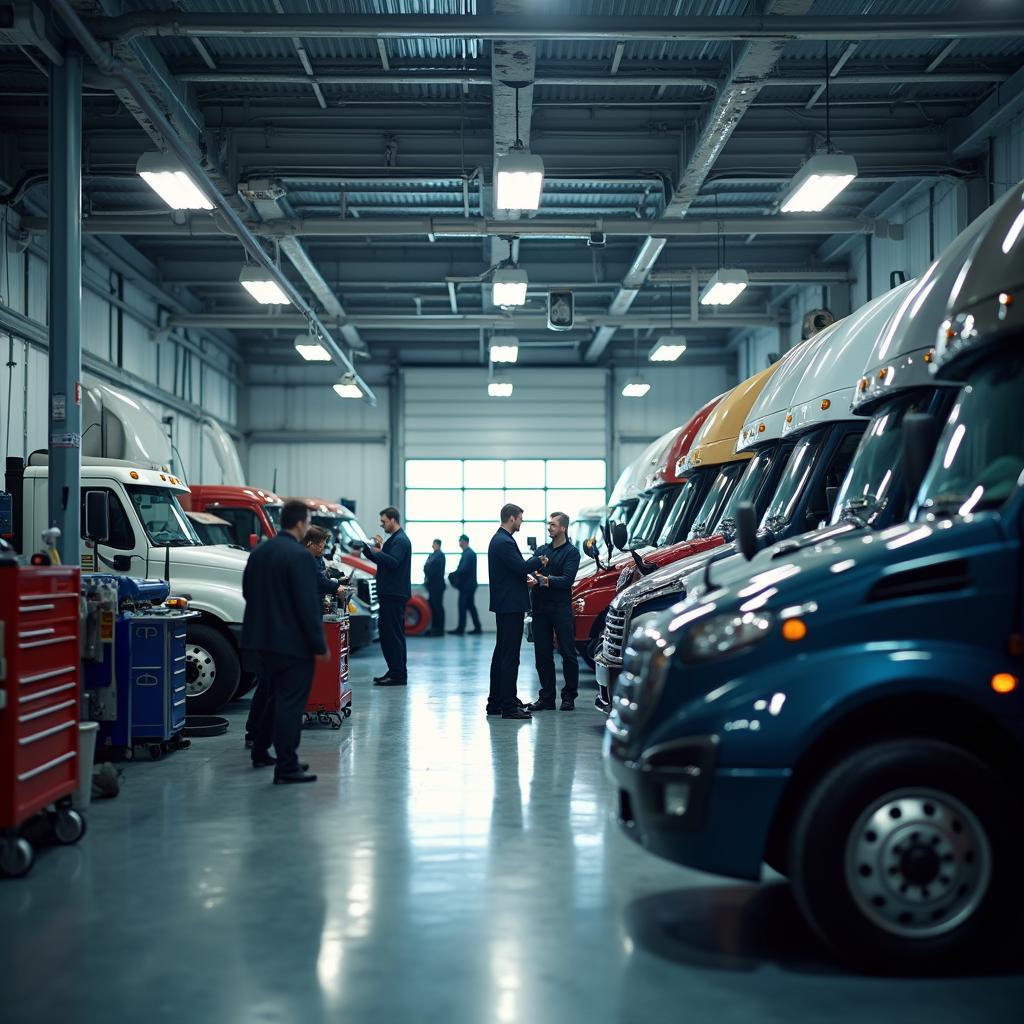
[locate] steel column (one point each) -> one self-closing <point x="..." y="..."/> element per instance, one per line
<point x="65" y="301"/>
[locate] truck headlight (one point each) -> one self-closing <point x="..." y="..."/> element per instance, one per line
<point x="724" y="634"/>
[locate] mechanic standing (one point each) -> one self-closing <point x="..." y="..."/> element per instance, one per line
<point x="283" y="626"/>
<point x="433" y="580"/>
<point x="393" y="559"/>
<point x="552" y="616"/>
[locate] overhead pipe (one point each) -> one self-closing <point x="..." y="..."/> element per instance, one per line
<point x="653" y="29"/>
<point x="482" y="227"/>
<point x="111" y="66"/>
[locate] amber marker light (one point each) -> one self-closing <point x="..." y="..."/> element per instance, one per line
<point x="1003" y="682"/>
<point x="826" y="403"/>
<point x="794" y="630"/>
<point x="134" y="475"/>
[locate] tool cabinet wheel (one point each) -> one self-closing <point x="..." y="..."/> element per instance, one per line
<point x="348" y="712"/>
<point x="68" y="826"/>
<point x="155" y="751"/>
<point x="16" y="856"/>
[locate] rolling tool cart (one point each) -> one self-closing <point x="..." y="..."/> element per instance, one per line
<point x="330" y="699"/>
<point x="135" y="664"/>
<point x="39" y="703"/>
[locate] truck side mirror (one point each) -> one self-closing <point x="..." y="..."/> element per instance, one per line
<point x="920" y="435"/>
<point x="746" y="529"/>
<point x="97" y="516"/>
<point x="588" y="548"/>
<point x="620" y="536"/>
<point x="254" y="539"/>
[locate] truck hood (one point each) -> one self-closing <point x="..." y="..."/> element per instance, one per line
<point x="207" y="556"/>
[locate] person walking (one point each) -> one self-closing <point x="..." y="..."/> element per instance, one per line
<point x="511" y="576"/>
<point x="433" y="579"/>
<point x="393" y="559"/>
<point x="464" y="581"/>
<point x="552" y="617"/>
<point x="283" y="626"/>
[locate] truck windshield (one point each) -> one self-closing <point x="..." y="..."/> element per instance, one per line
<point x="163" y="519"/>
<point x="582" y="530"/>
<point x="274" y="515"/>
<point x="979" y="460"/>
<point x="706" y="519"/>
<point x="682" y="513"/>
<point x="658" y="507"/>
<point x="793" y="483"/>
<point x="352" y="532"/>
<point x="868" y="486"/>
<point x="756" y="472"/>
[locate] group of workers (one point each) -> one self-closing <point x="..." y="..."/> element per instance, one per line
<point x="285" y="581"/>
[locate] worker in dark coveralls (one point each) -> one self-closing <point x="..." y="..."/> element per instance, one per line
<point x="464" y="581"/>
<point x="511" y="576"/>
<point x="552" y="616"/>
<point x="433" y="580"/>
<point x="283" y="625"/>
<point x="393" y="559"/>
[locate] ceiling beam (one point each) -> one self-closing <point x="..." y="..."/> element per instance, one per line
<point x="756" y="61"/>
<point x="477" y="227"/>
<point x="969" y="135"/>
<point x="771" y="28"/>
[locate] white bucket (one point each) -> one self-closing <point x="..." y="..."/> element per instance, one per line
<point x="86" y="756"/>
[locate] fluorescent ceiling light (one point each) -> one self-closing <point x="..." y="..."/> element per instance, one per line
<point x="259" y="284"/>
<point x="667" y="349"/>
<point x="348" y="388"/>
<point x="818" y="182"/>
<point x="504" y="350"/>
<point x="724" y="288"/>
<point x="499" y="388"/>
<point x="636" y="387"/>
<point x="166" y="177"/>
<point x="508" y="286"/>
<point x="519" y="177"/>
<point x="310" y="349"/>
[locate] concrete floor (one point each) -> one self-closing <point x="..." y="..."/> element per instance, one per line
<point x="447" y="867"/>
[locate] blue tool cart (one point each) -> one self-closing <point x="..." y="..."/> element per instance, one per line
<point x="134" y="657"/>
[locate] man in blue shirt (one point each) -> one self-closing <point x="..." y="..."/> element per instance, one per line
<point x="511" y="576"/>
<point x="464" y="581"/>
<point x="552" y="617"/>
<point x="393" y="559"/>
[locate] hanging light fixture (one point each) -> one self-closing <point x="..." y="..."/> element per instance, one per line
<point x="308" y="346"/>
<point x="504" y="349"/>
<point x="171" y="182"/>
<point x="499" y="387"/>
<point x="261" y="286"/>
<point x="825" y="175"/>
<point x="508" y="286"/>
<point x="725" y="286"/>
<point x="518" y="175"/>
<point x="347" y="387"/>
<point x="669" y="347"/>
<point x="636" y="387"/>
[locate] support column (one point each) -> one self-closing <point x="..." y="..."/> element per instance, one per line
<point x="65" y="304"/>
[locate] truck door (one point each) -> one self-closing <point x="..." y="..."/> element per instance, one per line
<point x="243" y="523"/>
<point x="124" y="539"/>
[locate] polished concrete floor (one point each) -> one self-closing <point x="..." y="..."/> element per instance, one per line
<point x="447" y="867"/>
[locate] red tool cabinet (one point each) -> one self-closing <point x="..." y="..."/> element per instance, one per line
<point x="330" y="699"/>
<point x="39" y="705"/>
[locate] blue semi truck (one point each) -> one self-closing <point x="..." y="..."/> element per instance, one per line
<point x="851" y="711"/>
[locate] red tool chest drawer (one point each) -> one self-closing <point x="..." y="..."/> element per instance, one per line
<point x="39" y="688"/>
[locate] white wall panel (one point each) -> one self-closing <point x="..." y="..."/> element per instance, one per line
<point x="1008" y="156"/>
<point x="23" y="417"/>
<point x="755" y="349"/>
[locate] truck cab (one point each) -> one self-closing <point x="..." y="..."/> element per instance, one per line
<point x="150" y="536"/>
<point x="852" y="711"/>
<point x="803" y="438"/>
<point x="254" y="514"/>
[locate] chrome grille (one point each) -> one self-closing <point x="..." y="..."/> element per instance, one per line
<point x="625" y="709"/>
<point x="615" y="635"/>
<point x="367" y="591"/>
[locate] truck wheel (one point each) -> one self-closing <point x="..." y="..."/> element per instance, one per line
<point x="417" y="616"/>
<point x="907" y="855"/>
<point x="212" y="670"/>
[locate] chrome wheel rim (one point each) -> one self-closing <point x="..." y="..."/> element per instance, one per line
<point x="918" y="863"/>
<point x="200" y="670"/>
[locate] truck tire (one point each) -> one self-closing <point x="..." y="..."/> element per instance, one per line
<point x="212" y="669"/>
<point x="417" y="616"/>
<point x="906" y="856"/>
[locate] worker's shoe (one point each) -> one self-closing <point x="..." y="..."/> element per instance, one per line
<point x="294" y="777"/>
<point x="518" y="714"/>
<point x="568" y="704"/>
<point x="475" y="632"/>
<point x="541" y="705"/>
<point x="379" y="679"/>
<point x="456" y="632"/>
<point x="266" y="760"/>
<point x="388" y="681"/>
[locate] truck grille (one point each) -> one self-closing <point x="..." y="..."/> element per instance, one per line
<point x="626" y="706"/>
<point x="615" y="635"/>
<point x="367" y="592"/>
